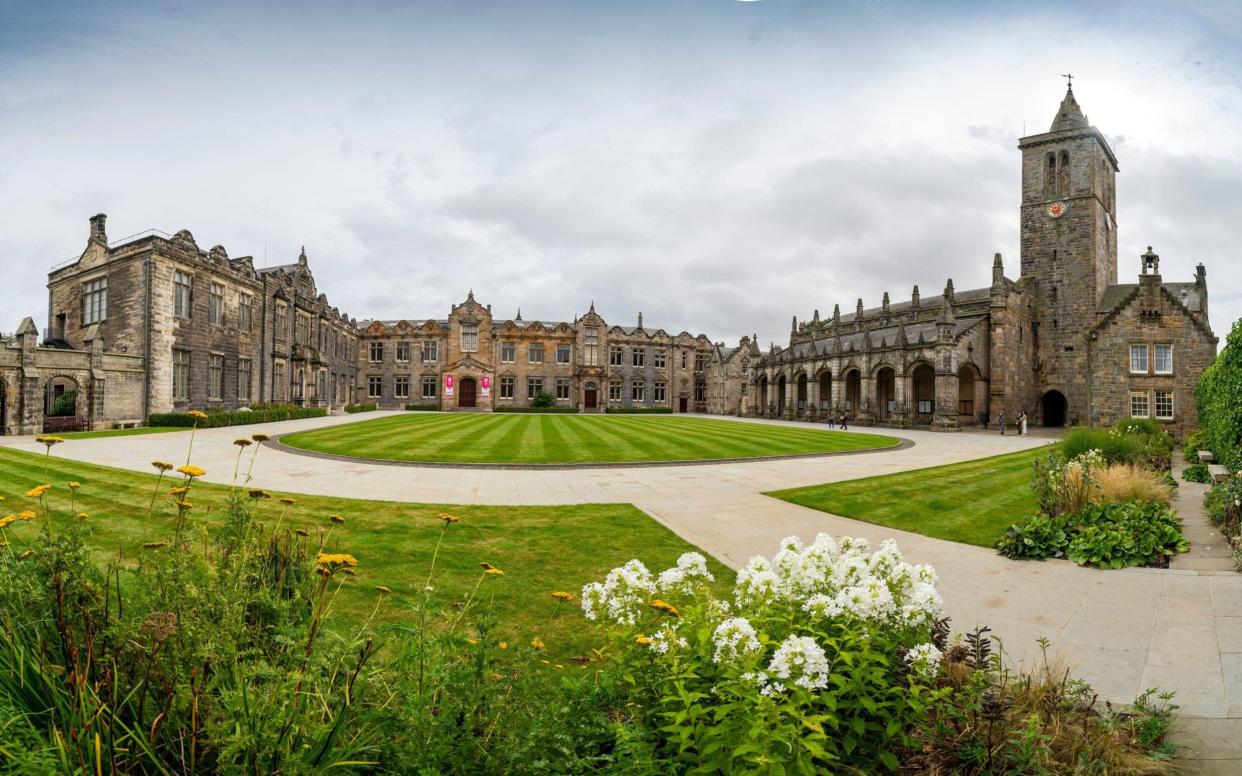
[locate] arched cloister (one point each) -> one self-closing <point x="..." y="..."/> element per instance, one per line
<point x="781" y="383"/>
<point x="853" y="392"/>
<point x="923" y="391"/>
<point x="885" y="392"/>
<point x="801" y="405"/>
<point x="825" y="390"/>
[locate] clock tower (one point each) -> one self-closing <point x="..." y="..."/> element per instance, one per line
<point x="1069" y="248"/>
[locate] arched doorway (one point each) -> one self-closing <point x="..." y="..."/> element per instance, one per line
<point x="469" y="389"/>
<point x="1056" y="408"/>
<point x="825" y="391"/>
<point x="966" y="379"/>
<point x="590" y="396"/>
<point x="61" y="399"/>
<point x="885" y="392"/>
<point x="923" y="384"/>
<point x="801" y="393"/>
<point x="853" y="392"/>
<point x="763" y="395"/>
<point x="780" y="395"/>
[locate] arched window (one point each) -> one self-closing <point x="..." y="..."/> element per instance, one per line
<point x="1063" y="175"/>
<point x="1050" y="175"/>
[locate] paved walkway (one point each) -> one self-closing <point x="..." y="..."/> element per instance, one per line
<point x="1123" y="631"/>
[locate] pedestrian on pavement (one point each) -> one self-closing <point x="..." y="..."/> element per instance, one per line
<point x="832" y="420"/>
<point x="844" y="423"/>
<point x="1024" y="421"/>
<point x="1002" y="422"/>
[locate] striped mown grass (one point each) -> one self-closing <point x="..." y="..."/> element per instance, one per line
<point x="973" y="502"/>
<point x="572" y="439"/>
<point x="540" y="549"/>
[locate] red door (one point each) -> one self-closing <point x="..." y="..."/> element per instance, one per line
<point x="468" y="392"/>
<point x="683" y="404"/>
<point x="588" y="397"/>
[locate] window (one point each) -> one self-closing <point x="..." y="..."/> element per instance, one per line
<point x="700" y="362"/>
<point x="637" y="391"/>
<point x="94" y="301"/>
<point x="215" y="305"/>
<point x="562" y="387"/>
<point x="1164" y="405"/>
<point x="506" y="387"/>
<point x="377" y="352"/>
<point x="278" y="380"/>
<point x="683" y="359"/>
<point x="614" y="391"/>
<point x="700" y="391"/>
<point x="470" y="338"/>
<point x="215" y="376"/>
<point x="429" y="386"/>
<point x="302" y="334"/>
<point x="1139" y="404"/>
<point x="659" y="392"/>
<point x="1164" y="359"/>
<point x="562" y="354"/>
<point x="658" y="358"/>
<point x="533" y="386"/>
<point x="638" y="356"/>
<point x="375" y="387"/>
<point x="401" y="387"/>
<point x="590" y="351"/>
<point x="535" y="353"/>
<point x="1138" y="360"/>
<point x="403" y="352"/>
<point x="508" y="352"/>
<point x="745" y="368"/>
<point x="431" y="351"/>
<point x="616" y="356"/>
<point x="243" y="379"/>
<point x="244" y="312"/>
<point x="181" y="374"/>
<point x="282" y="322"/>
<point x="182" y="288"/>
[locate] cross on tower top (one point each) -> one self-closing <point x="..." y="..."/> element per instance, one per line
<point x="1069" y="81"/>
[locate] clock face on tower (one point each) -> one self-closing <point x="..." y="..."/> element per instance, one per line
<point x="1056" y="209"/>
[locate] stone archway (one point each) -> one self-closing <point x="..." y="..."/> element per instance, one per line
<point x="1055" y="409"/>
<point x="468" y="393"/>
<point x="885" y="392"/>
<point x="923" y="388"/>
<point x="968" y="406"/>
<point x="780" y="395"/>
<point x="853" y="392"/>
<point x="62" y="405"/>
<point x="802" y="394"/>
<point x="825" y="391"/>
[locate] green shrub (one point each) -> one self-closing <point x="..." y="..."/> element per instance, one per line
<point x="1221" y="503"/>
<point x="422" y="407"/>
<point x="354" y="408"/>
<point x="219" y="419"/>
<point x="1115" y="447"/>
<point x="65" y="405"/>
<point x="1197" y="472"/>
<point x="543" y="399"/>
<point x="1114" y="536"/>
<point x="639" y="410"/>
<point x="1039" y="537"/>
<point x="1193" y="443"/>
<point x="1219" y="399"/>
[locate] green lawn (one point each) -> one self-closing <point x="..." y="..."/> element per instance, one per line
<point x="114" y="432"/>
<point x="573" y="439"/>
<point x="540" y="549"/>
<point x="973" y="502"/>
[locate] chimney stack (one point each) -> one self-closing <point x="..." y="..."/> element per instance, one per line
<point x="98" y="233"/>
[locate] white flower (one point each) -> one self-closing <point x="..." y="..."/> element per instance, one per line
<point x="691" y="566"/>
<point x="735" y="638"/>
<point x="802" y="660"/>
<point x="664" y="639"/>
<point x="621" y="596"/>
<point x="924" y="659"/>
<point x="756" y="582"/>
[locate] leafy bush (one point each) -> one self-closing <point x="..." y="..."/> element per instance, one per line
<point x="1114" y="536"/>
<point x="1193" y="443"/>
<point x="221" y="419"/>
<point x="422" y="407"/>
<point x="543" y="399"/>
<point x="538" y="410"/>
<point x="1197" y="472"/>
<point x="65" y="405"/>
<point x="354" y="408"/>
<point x="1219" y="399"/>
<point x="1041" y="536"/>
<point x="1128" y="482"/>
<point x="1067" y="486"/>
<point x="1113" y="446"/>
<point x="1221" y="503"/>
<point x="639" y="410"/>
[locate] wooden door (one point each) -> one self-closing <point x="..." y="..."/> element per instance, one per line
<point x="589" y="398"/>
<point x="468" y="393"/>
<point x="683" y="404"/>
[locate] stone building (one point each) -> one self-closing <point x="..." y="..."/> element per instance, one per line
<point x="1065" y="342"/>
<point x="728" y="378"/>
<point x="211" y="331"/>
<point x="473" y="361"/>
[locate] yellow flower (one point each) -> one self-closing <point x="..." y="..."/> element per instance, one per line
<point x="183" y="504"/>
<point x="286" y="500"/>
<point x="472" y="642"/>
<point x="260" y="437"/>
<point x="538" y="644"/>
<point x="26" y="554"/>
<point x="546" y="662"/>
<point x="664" y="606"/>
<point x="26" y="514"/>
<point x="331" y="562"/>
<point x="154" y="545"/>
<point x="558" y="665"/>
<point x="447" y="518"/>
<point x="560" y="595"/>
<point x="485" y="566"/>
<point x="82" y="515"/>
<point x="496" y="677"/>
<point x="162" y="465"/>
<point x="181" y="491"/>
<point x="383" y="589"/>
<point x="73" y="485"/>
<point x="259" y="493"/>
<point x="503" y="645"/>
<point x="242" y="442"/>
<point x="38" y="491"/>
<point x="197" y="414"/>
<point x="494" y="572"/>
<point x="7" y="520"/>
<point x="336" y="518"/>
<point x="641" y="639"/>
<point x="47" y="439"/>
<point x="190" y="470"/>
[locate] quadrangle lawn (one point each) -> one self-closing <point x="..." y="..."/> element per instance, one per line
<point x="571" y="439"/>
<point x="540" y="549"/>
<point x="973" y="502"/>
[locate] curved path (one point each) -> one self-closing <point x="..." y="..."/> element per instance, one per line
<point x="1123" y="631"/>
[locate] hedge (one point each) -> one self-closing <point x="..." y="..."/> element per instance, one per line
<point x="639" y="410"/>
<point x="352" y="408"/>
<point x="236" y="417"/>
<point x="422" y="407"/>
<point x="1219" y="397"/>
<point x="544" y="410"/>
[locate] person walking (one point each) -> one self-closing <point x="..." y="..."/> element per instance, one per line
<point x="1023" y="421"/>
<point x="1001" y="422"/>
<point x="844" y="423"/>
<point x="832" y="420"/>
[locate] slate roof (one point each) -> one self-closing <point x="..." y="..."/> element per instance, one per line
<point x="880" y="338"/>
<point x="1186" y="293"/>
<point x="925" y="303"/>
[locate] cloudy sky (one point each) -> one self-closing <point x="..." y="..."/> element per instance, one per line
<point x="718" y="165"/>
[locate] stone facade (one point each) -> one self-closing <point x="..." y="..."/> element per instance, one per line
<point x="728" y="378"/>
<point x="474" y="361"/>
<point x="1064" y="343"/>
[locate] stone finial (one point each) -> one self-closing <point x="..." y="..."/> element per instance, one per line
<point x="592" y="310"/>
<point x="815" y="318"/>
<point x="902" y="338"/>
<point x="1069" y="115"/>
<point x="518" y="317"/>
<point x="836" y="313"/>
<point x="884" y="302"/>
<point x="794" y="325"/>
<point x="302" y="256"/>
<point x="1200" y="275"/>
<point x="99" y="233"/>
<point x="914" y="297"/>
<point x="998" y="269"/>
<point x="948" y="290"/>
<point x="1151" y="262"/>
<point x="858" y="311"/>
<point x="640" y="320"/>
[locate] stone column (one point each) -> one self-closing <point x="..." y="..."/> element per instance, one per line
<point x="866" y="414"/>
<point x="791" y="397"/>
<point x="812" y="399"/>
<point x="901" y="401"/>
<point x="945" y="416"/>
